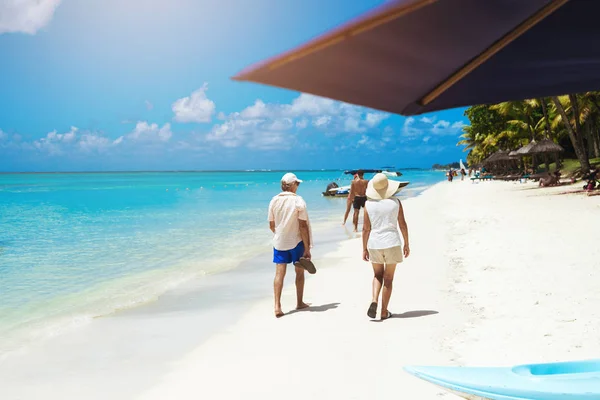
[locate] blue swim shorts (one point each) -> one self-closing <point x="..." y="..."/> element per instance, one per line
<point x="288" y="256"/>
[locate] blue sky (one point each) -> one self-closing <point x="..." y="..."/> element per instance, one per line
<point x="145" y="84"/>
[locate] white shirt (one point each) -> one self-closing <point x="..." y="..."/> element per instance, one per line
<point x="286" y="210"/>
<point x="383" y="215"/>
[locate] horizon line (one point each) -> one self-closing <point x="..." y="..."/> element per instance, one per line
<point x="191" y="171"/>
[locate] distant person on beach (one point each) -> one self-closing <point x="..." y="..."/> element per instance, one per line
<point x="450" y="175"/>
<point x="462" y="174"/>
<point x="358" y="196"/>
<point x="349" y="203"/>
<point x="288" y="220"/>
<point x="381" y="240"/>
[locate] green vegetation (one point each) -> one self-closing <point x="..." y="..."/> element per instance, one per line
<point x="571" y="166"/>
<point x="572" y="121"/>
<point x="453" y="165"/>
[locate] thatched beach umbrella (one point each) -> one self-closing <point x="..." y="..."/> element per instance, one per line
<point x="514" y="155"/>
<point x="546" y="146"/>
<point x="526" y="149"/>
<point x="500" y="155"/>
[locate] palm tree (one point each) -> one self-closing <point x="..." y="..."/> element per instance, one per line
<point x="522" y="111"/>
<point x="589" y="107"/>
<point x="574" y="127"/>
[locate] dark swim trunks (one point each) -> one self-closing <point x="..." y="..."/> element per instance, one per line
<point x="359" y="201"/>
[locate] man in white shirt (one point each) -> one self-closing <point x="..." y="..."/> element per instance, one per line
<point x="288" y="220"/>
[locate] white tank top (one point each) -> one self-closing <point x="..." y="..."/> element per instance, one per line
<point x="383" y="215"/>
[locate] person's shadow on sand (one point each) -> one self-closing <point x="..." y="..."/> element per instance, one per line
<point x="311" y="308"/>
<point x="409" y="314"/>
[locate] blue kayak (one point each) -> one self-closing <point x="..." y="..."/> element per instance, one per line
<point x="562" y="380"/>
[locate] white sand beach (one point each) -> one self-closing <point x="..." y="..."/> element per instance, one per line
<point x="499" y="274"/>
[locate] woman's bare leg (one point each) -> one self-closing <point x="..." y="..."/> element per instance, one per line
<point x="378" y="271"/>
<point x="388" y="281"/>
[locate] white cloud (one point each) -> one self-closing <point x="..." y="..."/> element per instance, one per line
<point x="194" y="108"/>
<point x="54" y="142"/>
<point x="257" y="110"/>
<point x="144" y="131"/>
<point x="353" y="125"/>
<point x="91" y="141"/>
<point x="303" y="123"/>
<point x="428" y="126"/>
<point x="321" y="121"/>
<point x="409" y="129"/>
<point x="426" y="139"/>
<point x="440" y="127"/>
<point x="26" y="16"/>
<point x="254" y="134"/>
<point x="320" y="110"/>
<point x="74" y="141"/>
<point x="273" y="125"/>
<point x="374" y="119"/>
<point x="282" y="124"/>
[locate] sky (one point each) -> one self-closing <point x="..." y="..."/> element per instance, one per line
<point x="146" y="85"/>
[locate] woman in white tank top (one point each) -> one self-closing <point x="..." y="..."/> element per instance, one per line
<point x="382" y="245"/>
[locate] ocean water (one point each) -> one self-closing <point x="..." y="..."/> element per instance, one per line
<point x="78" y="246"/>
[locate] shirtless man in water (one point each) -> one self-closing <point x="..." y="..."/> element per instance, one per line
<point x="349" y="203"/>
<point x="358" y="196"/>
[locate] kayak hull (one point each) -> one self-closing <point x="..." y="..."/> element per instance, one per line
<point x="550" y="381"/>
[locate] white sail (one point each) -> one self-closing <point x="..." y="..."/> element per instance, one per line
<point x="462" y="166"/>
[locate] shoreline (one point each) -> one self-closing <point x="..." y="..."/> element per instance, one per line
<point x="458" y="300"/>
<point x="155" y="334"/>
<point x="320" y="340"/>
<point x="72" y="311"/>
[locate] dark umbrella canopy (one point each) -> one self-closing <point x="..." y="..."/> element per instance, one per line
<point x="415" y="56"/>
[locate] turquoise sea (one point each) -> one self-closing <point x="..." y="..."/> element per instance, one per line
<point x="75" y="246"/>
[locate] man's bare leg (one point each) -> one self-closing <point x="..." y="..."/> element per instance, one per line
<point x="278" y="287"/>
<point x="300" y="304"/>
<point x="377" y="281"/>
<point x="348" y="207"/>
<point x="355" y="219"/>
<point x="388" y="280"/>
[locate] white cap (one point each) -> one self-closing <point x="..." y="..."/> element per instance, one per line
<point x="290" y="178"/>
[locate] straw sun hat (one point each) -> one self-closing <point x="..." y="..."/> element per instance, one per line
<point x="380" y="187"/>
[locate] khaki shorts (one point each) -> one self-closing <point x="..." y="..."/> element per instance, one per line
<point x="392" y="255"/>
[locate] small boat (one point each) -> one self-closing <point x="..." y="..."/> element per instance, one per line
<point x="387" y="171"/>
<point x="334" y="191"/>
<point x="391" y="173"/>
<point x="569" y="380"/>
<point x="366" y="171"/>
